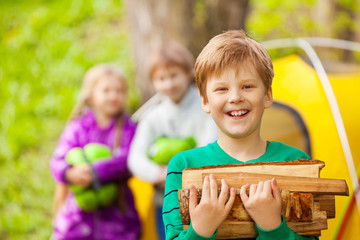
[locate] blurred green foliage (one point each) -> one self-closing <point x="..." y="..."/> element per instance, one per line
<point x="271" y="19"/>
<point x="45" y="48"/>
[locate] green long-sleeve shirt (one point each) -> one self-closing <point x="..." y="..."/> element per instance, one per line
<point x="212" y="154"/>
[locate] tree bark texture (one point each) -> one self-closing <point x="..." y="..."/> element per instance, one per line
<point x="190" y="22"/>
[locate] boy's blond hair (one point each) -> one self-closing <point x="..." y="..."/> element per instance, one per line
<point x="229" y="50"/>
<point x="172" y="54"/>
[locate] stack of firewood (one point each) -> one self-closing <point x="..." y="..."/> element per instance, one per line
<point x="308" y="200"/>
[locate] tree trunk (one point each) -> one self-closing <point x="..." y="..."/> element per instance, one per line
<point x="190" y="22"/>
<point x="340" y="20"/>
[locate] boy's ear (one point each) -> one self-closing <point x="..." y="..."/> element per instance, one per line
<point x="268" y="98"/>
<point x="205" y="104"/>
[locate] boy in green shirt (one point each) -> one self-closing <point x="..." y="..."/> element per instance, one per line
<point x="234" y="75"/>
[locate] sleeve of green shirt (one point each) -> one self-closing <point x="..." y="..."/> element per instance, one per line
<point x="171" y="214"/>
<point x="281" y="232"/>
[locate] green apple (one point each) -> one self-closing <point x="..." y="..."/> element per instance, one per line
<point x="106" y="194"/>
<point x="75" y="156"/>
<point x="77" y="189"/>
<point x="165" y="148"/>
<point x="87" y="198"/>
<point x="96" y="152"/>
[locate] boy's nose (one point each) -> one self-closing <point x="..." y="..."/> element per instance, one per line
<point x="236" y="96"/>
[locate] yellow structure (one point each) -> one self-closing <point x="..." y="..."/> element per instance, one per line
<point x="143" y="193"/>
<point x="301" y="117"/>
<point x="297" y="86"/>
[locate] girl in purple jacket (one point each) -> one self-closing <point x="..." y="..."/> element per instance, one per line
<point x="98" y="117"/>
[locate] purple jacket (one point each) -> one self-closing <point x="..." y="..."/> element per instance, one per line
<point x="106" y="223"/>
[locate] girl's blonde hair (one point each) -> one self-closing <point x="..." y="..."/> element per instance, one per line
<point x="90" y="80"/>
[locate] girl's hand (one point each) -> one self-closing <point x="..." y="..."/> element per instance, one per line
<point x="212" y="210"/>
<point x="79" y="175"/>
<point x="263" y="203"/>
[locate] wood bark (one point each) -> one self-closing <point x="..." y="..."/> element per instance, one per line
<point x="189" y="22"/>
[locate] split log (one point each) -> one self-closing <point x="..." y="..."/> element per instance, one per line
<point x="296" y="207"/>
<point x="299" y="168"/>
<point x="295" y="184"/>
<point x="305" y="178"/>
<point x="247" y="229"/>
<point x="327" y="204"/>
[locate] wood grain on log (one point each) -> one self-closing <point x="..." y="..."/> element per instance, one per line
<point x="304" y="215"/>
<point x="247" y="229"/>
<point x="296" y="207"/>
<point x="327" y="203"/>
<point x="294" y="184"/>
<point x="299" y="168"/>
<point x="298" y="162"/>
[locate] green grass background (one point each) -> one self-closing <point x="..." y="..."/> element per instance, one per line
<point x="46" y="46"/>
<point x="45" y="49"/>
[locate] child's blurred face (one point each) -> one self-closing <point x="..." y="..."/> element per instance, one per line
<point x="236" y="101"/>
<point x="108" y="96"/>
<point x="172" y="81"/>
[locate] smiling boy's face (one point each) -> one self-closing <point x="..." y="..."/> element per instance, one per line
<point x="236" y="101"/>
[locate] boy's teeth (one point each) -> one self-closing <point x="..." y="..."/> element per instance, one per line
<point x="238" y="113"/>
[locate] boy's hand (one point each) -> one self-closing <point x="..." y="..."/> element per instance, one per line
<point x="263" y="203"/>
<point x="212" y="210"/>
<point x="79" y="175"/>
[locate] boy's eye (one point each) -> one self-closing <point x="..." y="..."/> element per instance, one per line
<point x="247" y="86"/>
<point x="221" y="89"/>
